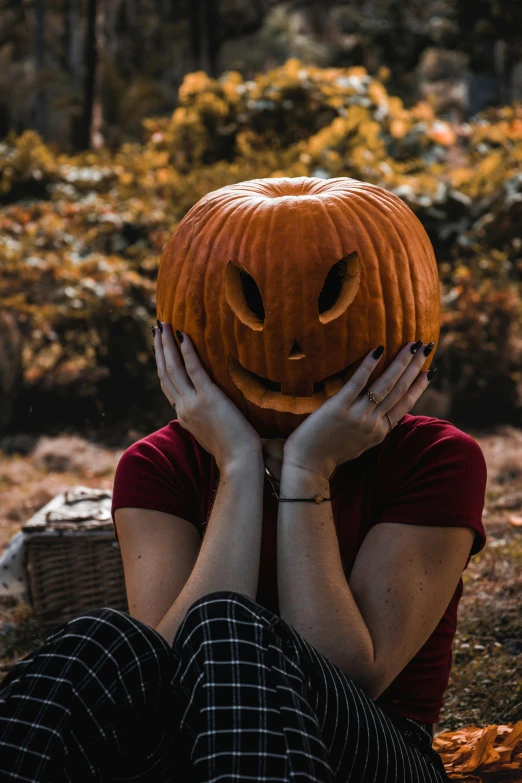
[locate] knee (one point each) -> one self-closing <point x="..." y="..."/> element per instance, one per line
<point x="101" y="616"/>
<point x="108" y="623"/>
<point x="223" y="605"/>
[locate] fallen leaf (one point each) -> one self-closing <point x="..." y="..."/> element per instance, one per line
<point x="492" y="753"/>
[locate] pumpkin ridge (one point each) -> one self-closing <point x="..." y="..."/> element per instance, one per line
<point x="270" y="352"/>
<point x="391" y="226"/>
<point x="223" y="316"/>
<point x="416" y="228"/>
<point x="247" y="227"/>
<point x="341" y="251"/>
<point x="210" y="216"/>
<point x="388" y="312"/>
<point x="249" y="237"/>
<point x="362" y="231"/>
<point x="301" y="220"/>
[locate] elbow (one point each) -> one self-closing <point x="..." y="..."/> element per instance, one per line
<point x="378" y="681"/>
<point x="368" y="681"/>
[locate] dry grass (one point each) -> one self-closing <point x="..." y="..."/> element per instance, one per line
<point x="485" y="685"/>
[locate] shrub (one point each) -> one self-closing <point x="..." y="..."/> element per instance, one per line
<point x="81" y="236"/>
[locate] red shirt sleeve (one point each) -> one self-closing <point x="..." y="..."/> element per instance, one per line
<point x="158" y="472"/>
<point x="440" y="475"/>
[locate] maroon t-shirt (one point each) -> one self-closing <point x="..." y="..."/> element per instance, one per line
<point x="425" y="472"/>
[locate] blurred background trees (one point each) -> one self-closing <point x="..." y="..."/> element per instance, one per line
<point x="83" y="73"/>
<point x="115" y="118"/>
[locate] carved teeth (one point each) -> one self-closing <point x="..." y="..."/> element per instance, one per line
<point x="261" y="391"/>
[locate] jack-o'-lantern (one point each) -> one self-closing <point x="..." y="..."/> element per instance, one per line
<point x="285" y="284"/>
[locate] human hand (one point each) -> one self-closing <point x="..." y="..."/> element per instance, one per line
<point x="201" y="407"/>
<point x="349" y="423"/>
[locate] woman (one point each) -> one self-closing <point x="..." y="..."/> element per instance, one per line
<point x="204" y="681"/>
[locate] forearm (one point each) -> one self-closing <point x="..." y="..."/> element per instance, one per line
<point x="230" y="550"/>
<point x="314" y="596"/>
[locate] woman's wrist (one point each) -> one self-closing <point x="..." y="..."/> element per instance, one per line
<point x="299" y="481"/>
<point x="304" y="466"/>
<point x="250" y="463"/>
<point x="295" y="471"/>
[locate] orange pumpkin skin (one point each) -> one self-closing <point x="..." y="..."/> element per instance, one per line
<point x="340" y="266"/>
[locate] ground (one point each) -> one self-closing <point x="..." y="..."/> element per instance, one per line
<point x="485" y="685"/>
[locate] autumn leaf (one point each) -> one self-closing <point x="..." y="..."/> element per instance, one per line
<point x="492" y="754"/>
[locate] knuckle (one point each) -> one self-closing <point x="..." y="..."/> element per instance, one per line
<point x="358" y="384"/>
<point x="388" y="386"/>
<point x="408" y="401"/>
<point x="344" y="415"/>
<point x="368" y="424"/>
<point x="189" y="403"/>
<point x="402" y="387"/>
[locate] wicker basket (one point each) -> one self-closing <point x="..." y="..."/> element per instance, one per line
<point x="72" y="560"/>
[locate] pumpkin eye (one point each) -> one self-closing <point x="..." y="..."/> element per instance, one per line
<point x="244" y="296"/>
<point x="339" y="288"/>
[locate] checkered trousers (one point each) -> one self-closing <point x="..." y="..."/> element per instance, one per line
<point x="239" y="696"/>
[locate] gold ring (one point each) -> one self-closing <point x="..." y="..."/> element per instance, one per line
<point x="391" y="425"/>
<point x="371" y="397"/>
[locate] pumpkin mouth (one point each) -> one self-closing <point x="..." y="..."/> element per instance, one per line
<point x="267" y="394"/>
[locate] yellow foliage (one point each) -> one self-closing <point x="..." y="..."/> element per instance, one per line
<point x="81" y="235"/>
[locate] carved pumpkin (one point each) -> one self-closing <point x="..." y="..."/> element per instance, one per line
<point x="285" y="284"/>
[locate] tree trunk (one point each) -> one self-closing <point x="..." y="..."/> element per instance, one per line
<point x="71" y="51"/>
<point x="96" y="139"/>
<point x="213" y="36"/>
<point x="92" y="110"/>
<point x="204" y="35"/>
<point x="41" y="97"/>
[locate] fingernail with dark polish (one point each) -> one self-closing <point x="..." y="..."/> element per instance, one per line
<point x="415" y="347"/>
<point x="378" y="352"/>
<point x="179" y="336"/>
<point x="431" y="373"/>
<point x="153" y="328"/>
<point x="160" y="327"/>
<point x="429" y="348"/>
<point x="153" y="350"/>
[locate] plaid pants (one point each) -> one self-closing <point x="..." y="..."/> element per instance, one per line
<point x="239" y="696"/>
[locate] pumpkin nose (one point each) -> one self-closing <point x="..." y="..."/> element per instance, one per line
<point x="295" y="381"/>
<point x="296" y="352"/>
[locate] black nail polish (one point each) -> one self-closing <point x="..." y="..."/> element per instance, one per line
<point x="378" y="352"/>
<point x="429" y="348"/>
<point x="153" y="330"/>
<point x="160" y="327"/>
<point x="431" y="373"/>
<point x="153" y="351"/>
<point x="415" y="347"/>
<point x="179" y="336"/>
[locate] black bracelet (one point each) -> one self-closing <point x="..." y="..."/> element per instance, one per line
<point x="315" y="499"/>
